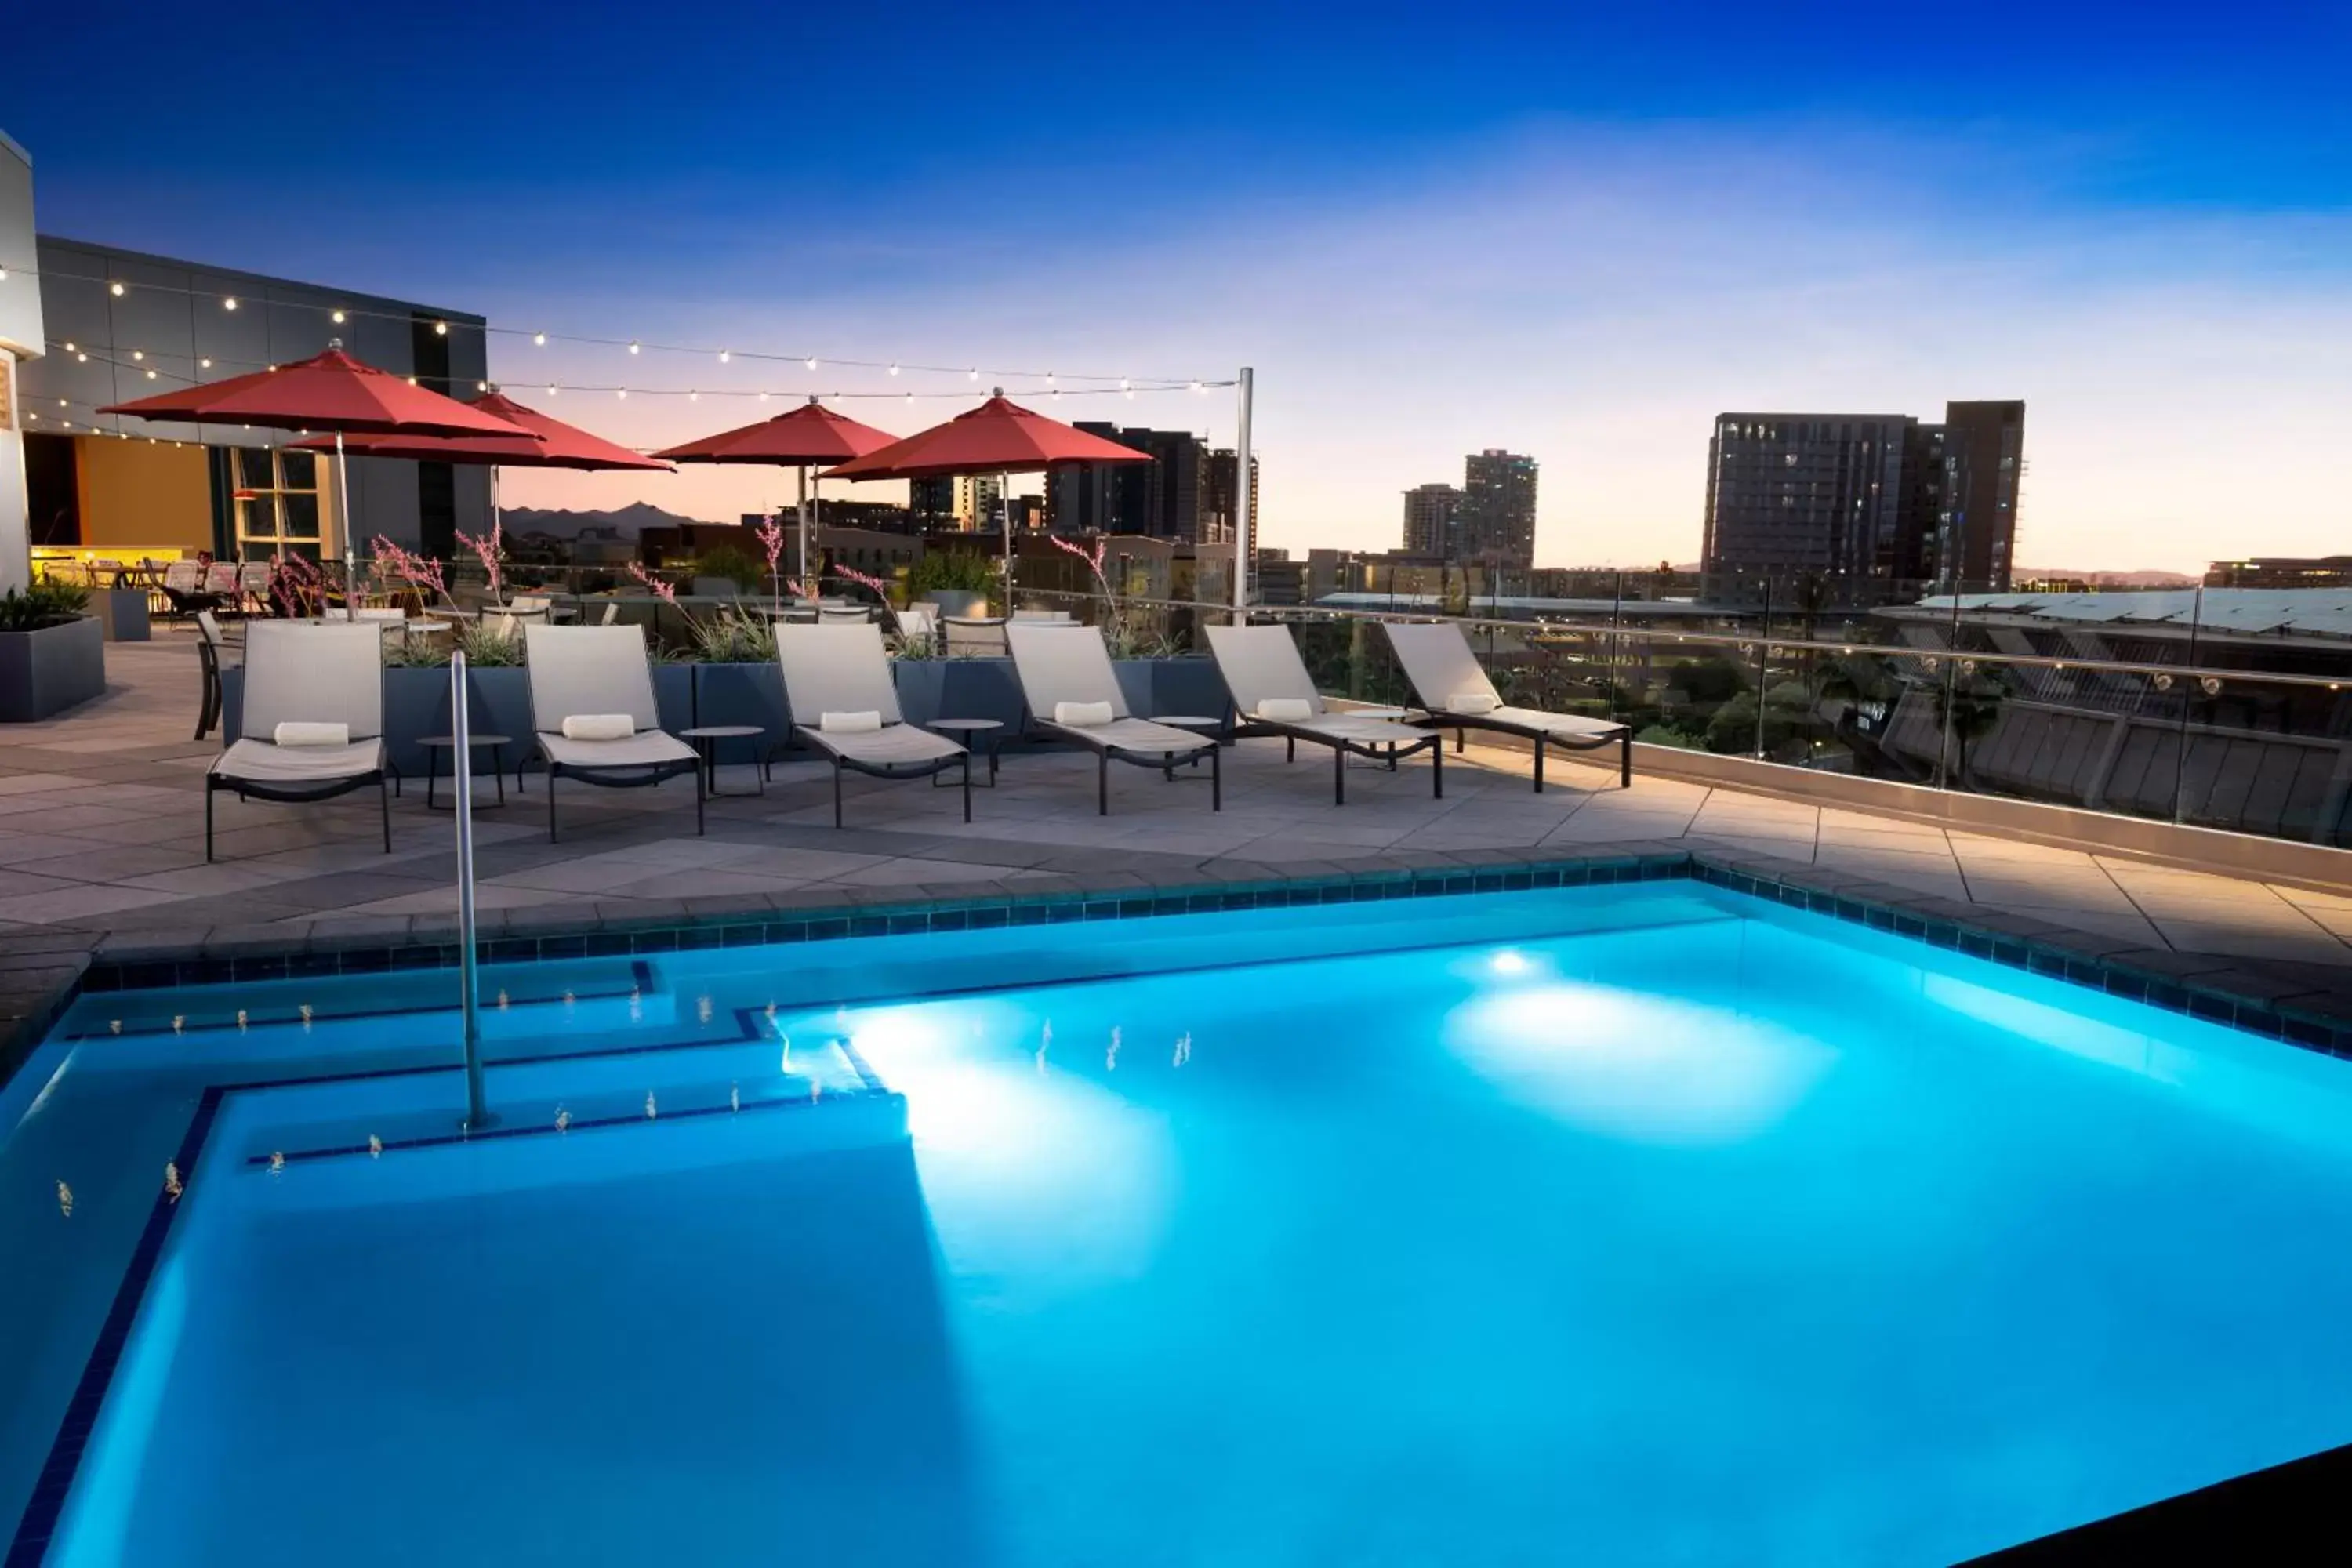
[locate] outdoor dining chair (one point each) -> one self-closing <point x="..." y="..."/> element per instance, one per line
<point x="973" y="636"/>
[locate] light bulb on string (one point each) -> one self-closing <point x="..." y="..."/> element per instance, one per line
<point x="115" y="289"/>
<point x="229" y="303"/>
<point x="538" y="340"/>
<point x="481" y="386"/>
<point x="694" y="397"/>
<point x="82" y="359"/>
<point x="622" y="393"/>
<point x="763" y="397"/>
<point x="440" y="329"/>
<point x="811" y="364"/>
<point x="412" y="380"/>
<point x="724" y="356"/>
<point x="634" y="346"/>
<point x="203" y="364"/>
<point x="973" y="375"/>
<point x="151" y="375"/>
<point x="138" y="353"/>
<point x="550" y="392"/>
<point x="1049" y="378"/>
<point x="338" y="317"/>
<point x="894" y="367"/>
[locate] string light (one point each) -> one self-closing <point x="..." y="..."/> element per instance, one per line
<point x="69" y="348"/>
<point x="894" y="368"/>
<point x="115" y="289"/>
<point x="550" y="392"/>
<point x="138" y="353"/>
<point x="973" y="375"/>
<point x="632" y="347"/>
<point x="538" y="340"/>
<point x="440" y="329"/>
<point x="203" y="364"/>
<point x="229" y="303"/>
<point x="339" y="317"/>
<point x="724" y="356"/>
<point x="690" y="398"/>
<point x="811" y="364"/>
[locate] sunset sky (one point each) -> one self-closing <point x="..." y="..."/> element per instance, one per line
<point x="1577" y="232"/>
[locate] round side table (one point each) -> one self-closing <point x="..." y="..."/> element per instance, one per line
<point x="435" y="744"/>
<point x="706" y="740"/>
<point x="982" y="735"/>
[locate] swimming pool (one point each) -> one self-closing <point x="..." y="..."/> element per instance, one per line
<point x="1631" y="1223"/>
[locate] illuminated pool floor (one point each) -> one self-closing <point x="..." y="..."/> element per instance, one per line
<point x="1720" y="1239"/>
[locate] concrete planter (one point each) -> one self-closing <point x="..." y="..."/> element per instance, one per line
<point x="122" y="612"/>
<point x="48" y="671"/>
<point x="743" y="694"/>
<point x="964" y="603"/>
<point x="932" y="688"/>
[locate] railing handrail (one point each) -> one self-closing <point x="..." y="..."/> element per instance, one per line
<point x="1744" y="642"/>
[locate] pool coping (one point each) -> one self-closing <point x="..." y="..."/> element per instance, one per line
<point x="42" y="977"/>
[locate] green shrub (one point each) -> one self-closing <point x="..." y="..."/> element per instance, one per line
<point x="726" y="561"/>
<point x="43" y="604"/>
<point x="964" y="570"/>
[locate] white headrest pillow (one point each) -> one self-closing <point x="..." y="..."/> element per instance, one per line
<point x="1082" y="715"/>
<point x="1473" y="703"/>
<point x="599" y="727"/>
<point x="300" y="734"/>
<point x="859" y="724"/>
<point x="1287" y="709"/>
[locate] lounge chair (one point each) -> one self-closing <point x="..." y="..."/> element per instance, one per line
<point x="837" y="683"/>
<point x="1073" y="694"/>
<point x="313" y="722"/>
<point x="592" y="679"/>
<point x="1275" y="696"/>
<point x="1456" y="694"/>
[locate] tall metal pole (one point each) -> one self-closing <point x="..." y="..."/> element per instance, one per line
<point x="468" y="983"/>
<point x="1245" y="496"/>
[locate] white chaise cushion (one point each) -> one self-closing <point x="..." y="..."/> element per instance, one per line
<point x="599" y="727"/>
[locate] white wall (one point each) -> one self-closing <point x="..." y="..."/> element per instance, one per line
<point x="20" y="338"/>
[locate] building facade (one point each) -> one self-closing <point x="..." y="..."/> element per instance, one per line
<point x="1499" y="508"/>
<point x="117" y="325"/>
<point x="1432" y="513"/>
<point x="1864" y="507"/>
<point x="2281" y="572"/>
<point x="1187" y="492"/>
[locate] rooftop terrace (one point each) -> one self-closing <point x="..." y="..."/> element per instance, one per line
<point x="101" y="856"/>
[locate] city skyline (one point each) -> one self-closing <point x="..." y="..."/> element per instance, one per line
<point x="1585" y="262"/>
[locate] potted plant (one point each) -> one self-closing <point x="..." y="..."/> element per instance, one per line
<point x="52" y="653"/>
<point x="957" y="580"/>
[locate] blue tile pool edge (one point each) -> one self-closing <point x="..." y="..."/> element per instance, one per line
<point x="2221" y="991"/>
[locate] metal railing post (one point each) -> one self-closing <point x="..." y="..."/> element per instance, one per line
<point x="468" y="982"/>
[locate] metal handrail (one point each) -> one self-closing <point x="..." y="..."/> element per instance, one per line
<point x="469" y="980"/>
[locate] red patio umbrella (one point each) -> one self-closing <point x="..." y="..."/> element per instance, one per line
<point x="808" y="435"/>
<point x="331" y="391"/>
<point x="1000" y="437"/>
<point x="543" y="441"/>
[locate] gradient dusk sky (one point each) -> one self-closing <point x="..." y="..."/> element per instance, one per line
<point x="1574" y="231"/>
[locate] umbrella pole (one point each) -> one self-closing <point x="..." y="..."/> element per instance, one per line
<point x="804" y="533"/>
<point x="350" y="551"/>
<point x="1244" y="495"/>
<point x="1005" y="499"/>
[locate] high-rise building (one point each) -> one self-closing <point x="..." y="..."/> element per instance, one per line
<point x="1222" y="498"/>
<point x="1984" y="457"/>
<point x="1870" y="506"/>
<point x="964" y="503"/>
<point x="1499" y="508"/>
<point x="1432" y="515"/>
<point x="1184" y="493"/>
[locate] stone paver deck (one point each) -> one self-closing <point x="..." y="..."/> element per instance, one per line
<point x="101" y="839"/>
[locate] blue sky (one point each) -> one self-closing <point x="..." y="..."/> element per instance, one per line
<point x="1576" y="231"/>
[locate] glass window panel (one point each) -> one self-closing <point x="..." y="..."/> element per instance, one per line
<point x="300" y="471"/>
<point x="300" y="509"/>
<point x="253" y="470"/>
<point x="257" y="518"/>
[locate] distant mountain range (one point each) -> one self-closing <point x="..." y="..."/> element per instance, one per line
<point x="626" y="522"/>
<point x="2105" y="579"/>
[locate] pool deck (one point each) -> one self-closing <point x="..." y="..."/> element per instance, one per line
<point x="101" y="854"/>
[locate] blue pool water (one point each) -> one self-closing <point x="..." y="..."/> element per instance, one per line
<point x="1624" y="1225"/>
